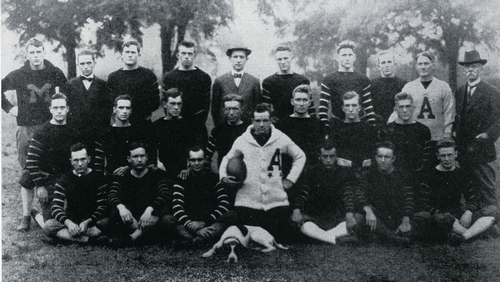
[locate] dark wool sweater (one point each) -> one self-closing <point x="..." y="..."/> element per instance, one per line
<point x="383" y="91"/>
<point x="222" y="139"/>
<point x="33" y="89"/>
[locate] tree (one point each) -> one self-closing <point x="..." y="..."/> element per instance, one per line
<point x="59" y="22"/>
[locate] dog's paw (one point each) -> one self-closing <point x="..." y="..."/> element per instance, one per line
<point x="268" y="249"/>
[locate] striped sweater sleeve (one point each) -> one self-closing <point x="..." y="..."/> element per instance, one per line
<point x="409" y="206"/>
<point x="302" y="197"/>
<point x="114" y="194"/>
<point x="99" y="158"/>
<point x="425" y="200"/>
<point x="163" y="197"/>
<point x="210" y="149"/>
<point x="35" y="153"/>
<point x="324" y="103"/>
<point x="470" y="194"/>
<point x="58" y="211"/>
<point x="222" y="204"/>
<point x="367" y="103"/>
<point x="102" y="204"/>
<point x="178" y="203"/>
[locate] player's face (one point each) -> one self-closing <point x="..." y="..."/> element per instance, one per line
<point x="473" y="71"/>
<point x="238" y="60"/>
<point x="122" y="110"/>
<point x="404" y="109"/>
<point x="300" y="103"/>
<point x="86" y="64"/>
<point x="351" y="109"/>
<point x="346" y="58"/>
<point x="80" y="161"/>
<point x="385" y="159"/>
<point x="130" y="55"/>
<point x="232" y="110"/>
<point x="328" y="158"/>
<point x="35" y="56"/>
<point x="138" y="159"/>
<point x="261" y="123"/>
<point x="283" y="58"/>
<point x="173" y="106"/>
<point x="425" y="67"/>
<point x="447" y="157"/>
<point x="186" y="56"/>
<point x="59" y="110"/>
<point x="386" y="65"/>
<point x="197" y="160"/>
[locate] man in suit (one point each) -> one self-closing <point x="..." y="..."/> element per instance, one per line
<point x="478" y="127"/>
<point x="237" y="81"/>
<point x="88" y="97"/>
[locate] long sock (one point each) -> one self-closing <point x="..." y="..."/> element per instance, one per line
<point x="481" y="225"/>
<point x="40" y="220"/>
<point x="312" y="230"/>
<point x="136" y="234"/>
<point x="64" y="234"/>
<point x="27" y="199"/>
<point x="339" y="230"/>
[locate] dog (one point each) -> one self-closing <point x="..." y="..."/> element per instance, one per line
<point x="246" y="236"/>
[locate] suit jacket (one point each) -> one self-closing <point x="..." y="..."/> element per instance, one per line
<point x="249" y="89"/>
<point x="91" y="109"/>
<point x="480" y="114"/>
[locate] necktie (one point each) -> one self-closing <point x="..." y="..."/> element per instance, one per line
<point x="89" y="79"/>
<point x="469" y="92"/>
<point x="237" y="75"/>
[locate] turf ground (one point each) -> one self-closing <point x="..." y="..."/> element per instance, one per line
<point x="30" y="257"/>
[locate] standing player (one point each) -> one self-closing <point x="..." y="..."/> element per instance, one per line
<point x="236" y="82"/>
<point x="262" y="200"/>
<point x="277" y="88"/>
<point x="49" y="152"/>
<point x="79" y="201"/>
<point x="386" y="86"/>
<point x="478" y="127"/>
<point x="194" y="84"/>
<point x="34" y="83"/>
<point x="434" y="102"/>
<point x="138" y="82"/>
<point x="346" y="79"/>
<point x="441" y="193"/>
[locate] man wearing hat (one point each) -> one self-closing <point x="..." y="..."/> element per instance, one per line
<point x="477" y="127"/>
<point x="237" y="81"/>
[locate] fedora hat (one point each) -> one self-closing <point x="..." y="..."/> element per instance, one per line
<point x="472" y="57"/>
<point x="245" y="49"/>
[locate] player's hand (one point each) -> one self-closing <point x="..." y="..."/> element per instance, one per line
<point x="286" y="183"/>
<point x="84" y="225"/>
<point x="405" y="226"/>
<point x="483" y="135"/>
<point x="297" y="217"/>
<point x="121" y="171"/>
<point x="231" y="180"/>
<point x="13" y="111"/>
<point x="147" y="219"/>
<point x="184" y="174"/>
<point x="194" y="226"/>
<point x="371" y="219"/>
<point x="73" y="229"/>
<point x="42" y="195"/>
<point x="125" y="214"/>
<point x="153" y="167"/>
<point x="466" y="219"/>
<point x="350" y="222"/>
<point x="206" y="232"/>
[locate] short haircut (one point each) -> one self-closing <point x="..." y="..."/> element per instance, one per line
<point x="137" y="145"/>
<point x="35" y="43"/>
<point x="427" y="54"/>
<point x="195" y="148"/>
<point x="401" y="96"/>
<point x="232" y="97"/>
<point x="385" y="144"/>
<point x="384" y="52"/>
<point x="350" y="95"/>
<point x="132" y="42"/>
<point x="346" y="44"/>
<point x="78" y="147"/>
<point x="283" y="48"/>
<point x="446" y="143"/>
<point x="170" y="93"/>
<point x="303" y="88"/>
<point x="188" y="44"/>
<point x="86" y="52"/>
<point x="122" y="97"/>
<point x="261" y="108"/>
<point x="59" y="95"/>
<point x="327" y="144"/>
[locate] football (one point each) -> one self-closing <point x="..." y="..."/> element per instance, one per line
<point x="236" y="167"/>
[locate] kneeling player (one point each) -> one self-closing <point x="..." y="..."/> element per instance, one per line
<point x="320" y="207"/>
<point x="441" y="192"/>
<point x="84" y="192"/>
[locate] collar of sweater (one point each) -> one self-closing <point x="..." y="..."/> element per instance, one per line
<point x="275" y="135"/>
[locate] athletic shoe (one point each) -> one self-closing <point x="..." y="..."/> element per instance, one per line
<point x="351" y="240"/>
<point x="117" y="243"/>
<point x="34" y="212"/>
<point x="25" y="223"/>
<point x="455" y="239"/>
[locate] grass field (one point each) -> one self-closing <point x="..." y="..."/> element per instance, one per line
<point x="30" y="257"/>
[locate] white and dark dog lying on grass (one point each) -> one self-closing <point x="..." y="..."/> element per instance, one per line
<point x="247" y="236"/>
